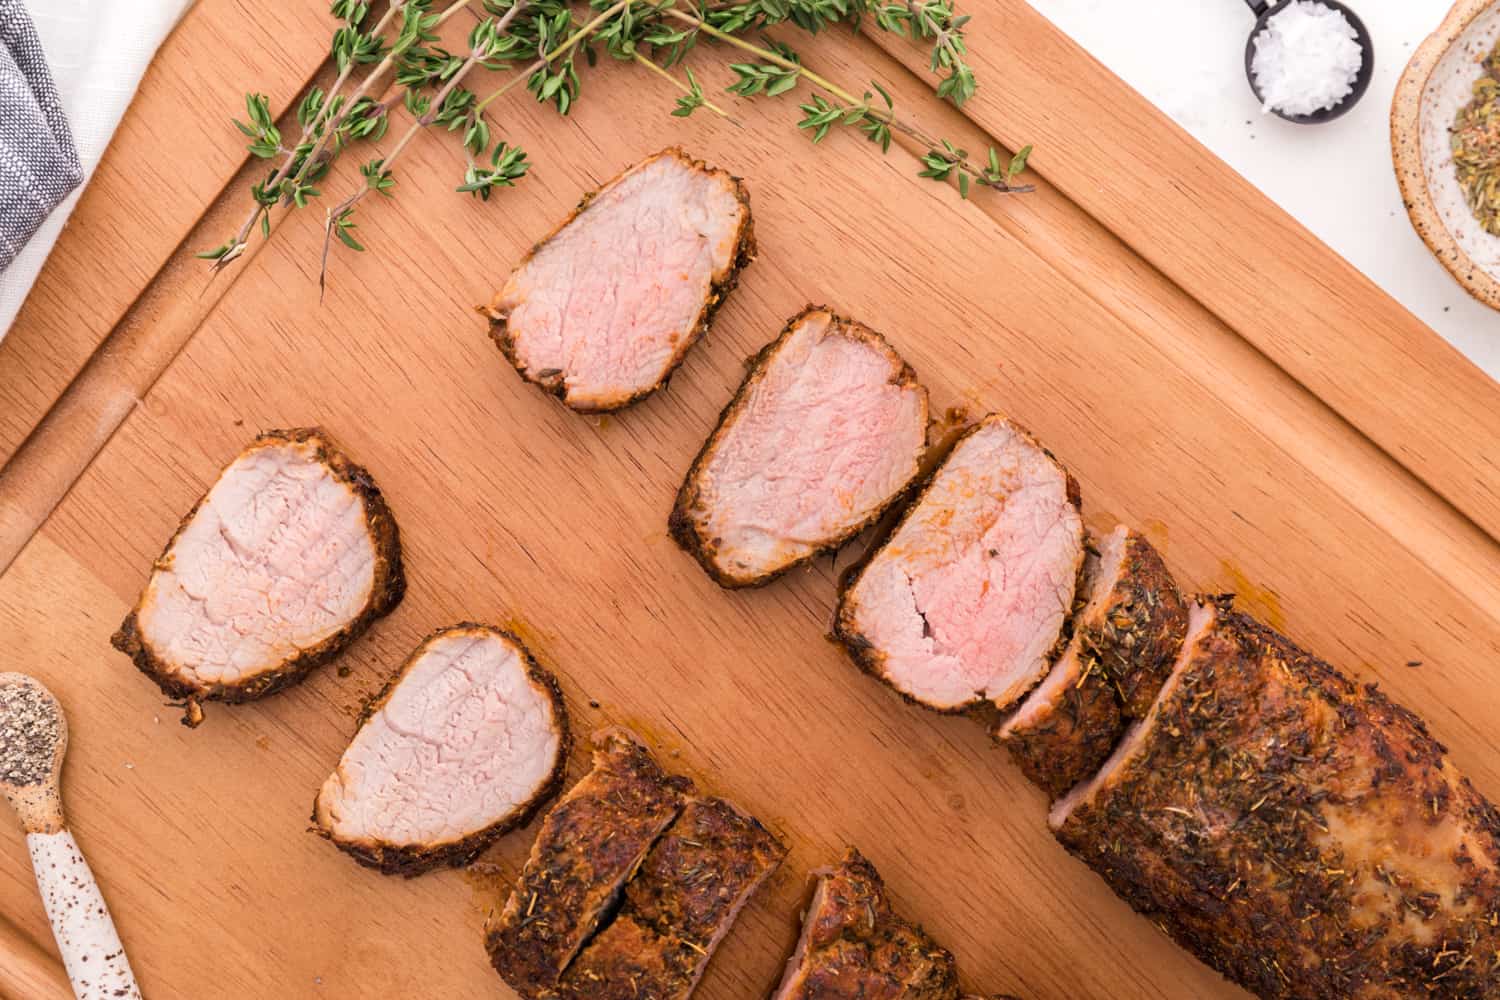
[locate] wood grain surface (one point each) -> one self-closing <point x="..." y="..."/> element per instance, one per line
<point x="170" y="157"/>
<point x="1141" y="376"/>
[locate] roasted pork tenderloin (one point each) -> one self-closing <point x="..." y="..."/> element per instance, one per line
<point x="288" y="558"/>
<point x="826" y="431"/>
<point x="854" y="946"/>
<point x="1067" y="726"/>
<point x="1300" y="834"/>
<point x="686" y="897"/>
<point x="966" y="601"/>
<point x="589" y="844"/>
<point x="465" y="743"/>
<point x="1125" y="639"/>
<point x="603" y="310"/>
<point x="1134" y="620"/>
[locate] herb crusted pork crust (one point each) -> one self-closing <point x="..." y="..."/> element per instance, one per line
<point x="678" y="907"/>
<point x="854" y="946"/>
<point x="1302" y="835"/>
<point x="590" y="843"/>
<point x="309" y="446"/>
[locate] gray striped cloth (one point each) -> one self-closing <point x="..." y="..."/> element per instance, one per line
<point x="38" y="164"/>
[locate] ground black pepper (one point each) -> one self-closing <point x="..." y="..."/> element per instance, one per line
<point x="30" y="726"/>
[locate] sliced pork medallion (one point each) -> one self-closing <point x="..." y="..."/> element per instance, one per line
<point x="687" y="896"/>
<point x="1300" y="834"/>
<point x="603" y="310"/>
<point x="596" y="836"/>
<point x="855" y="947"/>
<point x="967" y="599"/>
<point x="1067" y="726"/>
<point x="1134" y="620"/>
<point x="285" y="561"/>
<point x="826" y="431"/>
<point x="465" y="743"/>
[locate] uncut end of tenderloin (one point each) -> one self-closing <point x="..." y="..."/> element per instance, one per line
<point x="289" y="557"/>
<point x="965" y="603"/>
<point x="855" y="946"/>
<point x="678" y="908"/>
<point x="589" y="844"/>
<point x="1067" y="726"/>
<point x="1134" y="619"/>
<point x="463" y="744"/>
<point x="827" y="431"/>
<point x="603" y="310"/>
<point x="1302" y="835"/>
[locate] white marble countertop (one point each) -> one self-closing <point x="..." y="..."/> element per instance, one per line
<point x="1188" y="57"/>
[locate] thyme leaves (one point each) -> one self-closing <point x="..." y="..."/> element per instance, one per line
<point x="402" y="50"/>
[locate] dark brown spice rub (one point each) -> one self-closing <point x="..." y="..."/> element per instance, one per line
<point x="388" y="588"/>
<point x="1303" y="835"/>
<point x="1067" y="727"/>
<point x="677" y="909"/>
<point x="1134" y="620"/>
<point x="855" y="947"/>
<point x="591" y="842"/>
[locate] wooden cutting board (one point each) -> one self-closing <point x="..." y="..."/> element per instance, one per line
<point x="1318" y="451"/>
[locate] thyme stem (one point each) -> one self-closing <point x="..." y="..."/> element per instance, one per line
<point x="547" y="57"/>
<point x="380" y="70"/>
<point x="888" y="117"/>
<point x="476" y="55"/>
<point x="243" y="235"/>
<point x="653" y="67"/>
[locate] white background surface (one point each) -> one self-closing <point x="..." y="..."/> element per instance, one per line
<point x="1188" y="57"/>
<point x="97" y="51"/>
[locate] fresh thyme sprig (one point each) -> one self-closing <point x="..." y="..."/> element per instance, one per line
<point x="454" y="108"/>
<point x="780" y="68"/>
<point x="656" y="34"/>
<point x="350" y="47"/>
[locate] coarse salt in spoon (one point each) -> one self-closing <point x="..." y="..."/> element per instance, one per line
<point x="33" y="740"/>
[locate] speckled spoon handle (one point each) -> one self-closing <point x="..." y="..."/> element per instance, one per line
<point x="86" y="936"/>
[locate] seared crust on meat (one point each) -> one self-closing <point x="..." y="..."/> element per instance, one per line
<point x="388" y="589"/>
<point x="1303" y="835"/>
<point x="702" y="870"/>
<point x="685" y="522"/>
<point x="855" y="947"/>
<point x="722" y="284"/>
<point x="411" y="860"/>
<point x="845" y="631"/>
<point x="683" y="901"/>
<point x="1060" y="742"/>
<point x="590" y="843"/>
<point x="1134" y="628"/>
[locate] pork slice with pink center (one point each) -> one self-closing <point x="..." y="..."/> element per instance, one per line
<point x="825" y="433"/>
<point x="966" y="601"/>
<point x="465" y="743"/>
<point x="285" y="561"/>
<point x="602" y="311"/>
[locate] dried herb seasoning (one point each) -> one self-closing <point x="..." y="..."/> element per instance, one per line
<point x="1476" y="146"/>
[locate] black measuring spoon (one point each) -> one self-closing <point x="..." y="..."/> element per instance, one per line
<point x="1264" y="11"/>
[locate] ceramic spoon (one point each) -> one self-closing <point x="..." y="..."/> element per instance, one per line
<point x="85" y="934"/>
